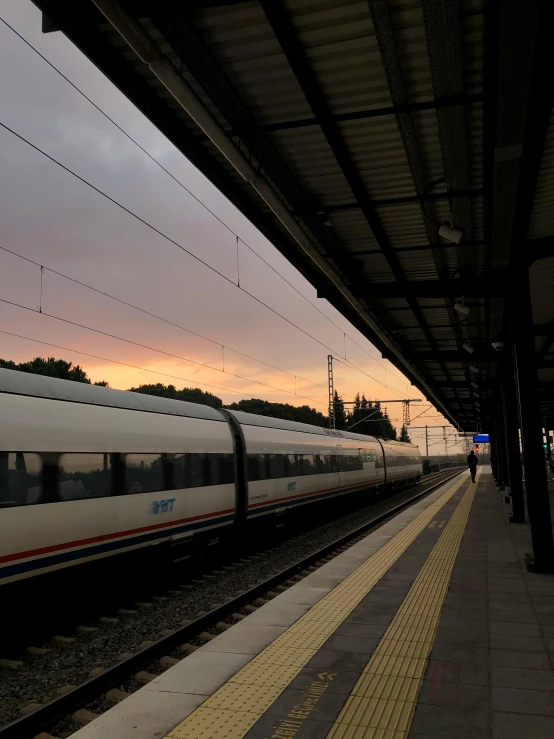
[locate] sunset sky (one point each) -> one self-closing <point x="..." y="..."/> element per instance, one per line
<point x="52" y="218"/>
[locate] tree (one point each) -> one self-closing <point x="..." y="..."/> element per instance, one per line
<point x="356" y="417"/>
<point x="368" y="418"/>
<point x="304" y="414"/>
<point x="191" y="395"/>
<point x="340" y="413"/>
<point x="404" y="435"/>
<point x="385" y="429"/>
<point x="50" y="367"/>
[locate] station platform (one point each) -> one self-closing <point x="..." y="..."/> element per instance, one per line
<point x="428" y="627"/>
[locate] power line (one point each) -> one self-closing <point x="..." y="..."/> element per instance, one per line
<point x="351" y="365"/>
<point x="151" y="348"/>
<point x="160" y="233"/>
<point x="175" y="243"/>
<point x="200" y="202"/>
<point x="123" y="364"/>
<point x="153" y="315"/>
<point x="171" y="323"/>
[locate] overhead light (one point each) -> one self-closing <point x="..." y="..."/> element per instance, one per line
<point x="475" y="385"/>
<point x="474" y="369"/>
<point x="450" y="232"/>
<point x="467" y="346"/>
<point x="461" y="308"/>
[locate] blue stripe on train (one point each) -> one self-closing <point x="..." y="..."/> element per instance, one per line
<point x="110" y="546"/>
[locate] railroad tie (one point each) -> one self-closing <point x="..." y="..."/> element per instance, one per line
<point x="82" y="716"/>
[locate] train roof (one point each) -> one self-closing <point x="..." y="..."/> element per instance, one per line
<point x="41" y="386"/>
<point x="251" y="419"/>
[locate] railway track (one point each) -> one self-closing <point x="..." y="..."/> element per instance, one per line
<point x="103" y="688"/>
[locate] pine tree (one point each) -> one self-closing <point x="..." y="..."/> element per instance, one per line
<point x="340" y="413"/>
<point x="404" y="435"/>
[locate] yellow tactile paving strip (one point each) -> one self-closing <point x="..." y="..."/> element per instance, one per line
<point x="232" y="711"/>
<point x="383" y="701"/>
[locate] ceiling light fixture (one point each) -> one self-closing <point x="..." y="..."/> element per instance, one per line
<point x="450" y="232"/>
<point x="461" y="308"/>
<point x="474" y="369"/>
<point x="467" y="346"/>
<point x="475" y="385"/>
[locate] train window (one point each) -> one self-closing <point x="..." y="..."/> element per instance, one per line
<point x="257" y="467"/>
<point x="188" y="471"/>
<point x="352" y="463"/>
<point x="335" y="464"/>
<point x="291" y="466"/>
<point x="368" y="455"/>
<point x="306" y="462"/>
<point x="144" y="473"/>
<point x="226" y="469"/>
<point x="201" y="470"/>
<point x="83" y="476"/>
<point x="20" y="479"/>
<point x="276" y="466"/>
<point x="321" y="464"/>
<point x="211" y="469"/>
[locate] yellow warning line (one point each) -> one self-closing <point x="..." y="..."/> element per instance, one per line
<point x="232" y="711"/>
<point x="383" y="700"/>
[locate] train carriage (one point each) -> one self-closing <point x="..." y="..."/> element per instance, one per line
<point x="88" y="472"/>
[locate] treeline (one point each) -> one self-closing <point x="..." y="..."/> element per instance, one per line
<point x="365" y="417"/>
<point x="190" y="394"/>
<point x="302" y="414"/>
<point x="52" y="368"/>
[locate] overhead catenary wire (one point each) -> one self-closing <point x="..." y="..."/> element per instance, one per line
<point x="153" y="315"/>
<point x="122" y="364"/>
<point x="60" y="274"/>
<point x="182" y="248"/>
<point x="151" y="348"/>
<point x="176" y="325"/>
<point x="196" y="198"/>
<point x="350" y="364"/>
<point x="160" y="233"/>
<point x="168" y="238"/>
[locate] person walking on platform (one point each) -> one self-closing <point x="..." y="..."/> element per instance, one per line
<point x="472" y="462"/>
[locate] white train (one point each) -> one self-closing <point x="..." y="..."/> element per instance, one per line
<point x="89" y="472"/>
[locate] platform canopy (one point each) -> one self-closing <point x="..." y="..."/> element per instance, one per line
<point x="348" y="132"/>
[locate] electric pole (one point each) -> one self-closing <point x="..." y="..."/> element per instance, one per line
<point x="331" y="391"/>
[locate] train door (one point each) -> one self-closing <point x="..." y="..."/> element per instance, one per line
<point x="340" y="466"/>
<point x="381" y="469"/>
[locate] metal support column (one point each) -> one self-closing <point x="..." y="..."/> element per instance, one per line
<point x="501" y="440"/>
<point x="331" y="391"/>
<point x="511" y="426"/>
<point x="526" y="380"/>
<point x="494" y="447"/>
